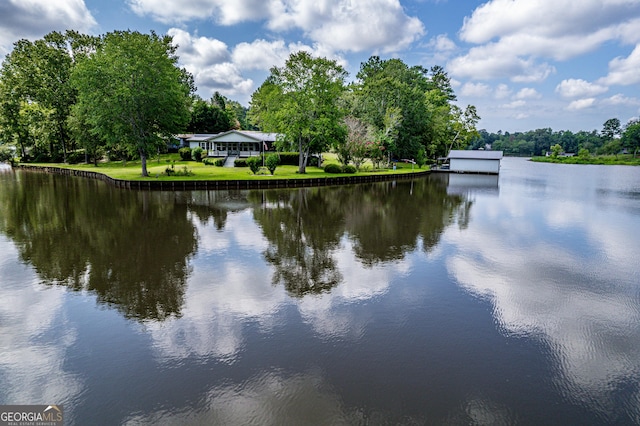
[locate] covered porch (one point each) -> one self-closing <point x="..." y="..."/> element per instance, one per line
<point x="234" y="143"/>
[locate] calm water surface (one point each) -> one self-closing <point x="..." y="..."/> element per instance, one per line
<point x="452" y="299"/>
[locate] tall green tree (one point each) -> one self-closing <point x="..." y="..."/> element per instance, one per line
<point x="39" y="73"/>
<point x="611" y="128"/>
<point x="132" y="92"/>
<point x="389" y="88"/>
<point x="211" y="117"/>
<point x="13" y="126"/>
<point x="240" y="114"/>
<point x="300" y="101"/>
<point x="463" y="125"/>
<point x="421" y="100"/>
<point x="53" y="88"/>
<point x="631" y="136"/>
<point x="354" y="147"/>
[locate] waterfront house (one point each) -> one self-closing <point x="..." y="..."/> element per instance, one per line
<point x="233" y="143"/>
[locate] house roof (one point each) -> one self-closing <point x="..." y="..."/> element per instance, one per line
<point x="265" y="137"/>
<point x="475" y="154"/>
<point x="201" y="137"/>
<point x="258" y="136"/>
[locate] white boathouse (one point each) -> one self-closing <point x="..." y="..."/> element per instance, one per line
<point x="465" y="161"/>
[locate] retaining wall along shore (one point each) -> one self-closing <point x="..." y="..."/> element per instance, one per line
<point x="180" y="185"/>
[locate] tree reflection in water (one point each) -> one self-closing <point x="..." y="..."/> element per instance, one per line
<point x="384" y="221"/>
<point x="304" y="229"/>
<point x="130" y="248"/>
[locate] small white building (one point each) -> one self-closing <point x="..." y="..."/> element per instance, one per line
<point x="240" y="143"/>
<point x="474" y="161"/>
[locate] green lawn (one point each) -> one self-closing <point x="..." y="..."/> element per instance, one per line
<point x="199" y="171"/>
<point x="621" y="160"/>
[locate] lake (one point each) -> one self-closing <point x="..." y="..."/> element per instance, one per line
<point x="449" y="299"/>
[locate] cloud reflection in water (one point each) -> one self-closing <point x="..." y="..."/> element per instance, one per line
<point x="35" y="336"/>
<point x="564" y="272"/>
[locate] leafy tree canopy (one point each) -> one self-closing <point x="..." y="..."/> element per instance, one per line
<point x="131" y="91"/>
<point x="300" y="101"/>
<point x="412" y="106"/>
<point x="631" y="136"/>
<point x="35" y="78"/>
<point x="611" y="128"/>
<point x="212" y="116"/>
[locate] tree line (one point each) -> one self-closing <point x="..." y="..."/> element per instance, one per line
<point x="123" y="95"/>
<point x="390" y="111"/>
<point x="611" y="139"/>
<point x="111" y="256"/>
<point x="120" y="95"/>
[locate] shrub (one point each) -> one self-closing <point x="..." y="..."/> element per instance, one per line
<point x="184" y="171"/>
<point x="185" y="153"/>
<point x="240" y="162"/>
<point x="332" y="168"/>
<point x="289" y="158"/>
<point x="313" y="161"/>
<point x="348" y="169"/>
<point x="292" y="159"/>
<point x="42" y="157"/>
<point x="584" y="153"/>
<point x="421" y="157"/>
<point x="254" y="164"/>
<point x="117" y="153"/>
<point x="57" y="157"/>
<point x="220" y="162"/>
<point x="6" y="154"/>
<point x="272" y="161"/>
<point x="196" y="153"/>
<point x="208" y="162"/>
<point x="75" y="157"/>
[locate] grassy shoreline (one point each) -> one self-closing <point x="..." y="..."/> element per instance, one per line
<point x="603" y="160"/>
<point x="201" y="172"/>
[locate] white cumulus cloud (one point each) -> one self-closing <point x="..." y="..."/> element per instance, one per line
<point x="624" y="71"/>
<point x="546" y="19"/>
<point x="210" y="63"/>
<point x="515" y="37"/>
<point x="263" y="55"/>
<point x="515" y="104"/>
<point x="354" y="26"/>
<point x="224" y="12"/>
<point x="34" y="18"/>
<point x="475" y="89"/>
<point x="528" y="93"/>
<point x="341" y="25"/>
<point x="581" y="104"/>
<point x="578" y="88"/>
<point x="502" y="91"/>
<point x="620" y="99"/>
<point x="442" y="43"/>
<point x="496" y="61"/>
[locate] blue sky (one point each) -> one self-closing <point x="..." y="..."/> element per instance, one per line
<point x="525" y="64"/>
